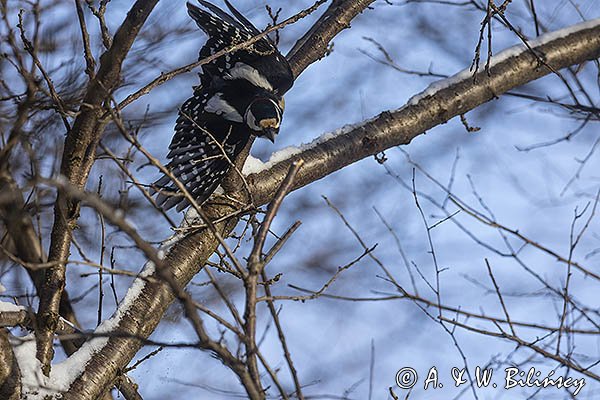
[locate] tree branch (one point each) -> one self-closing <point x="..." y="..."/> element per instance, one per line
<point x="78" y="157"/>
<point x="314" y="44"/>
<point x="28" y="247"/>
<point x="10" y="375"/>
<point x="455" y="96"/>
<point x="185" y="260"/>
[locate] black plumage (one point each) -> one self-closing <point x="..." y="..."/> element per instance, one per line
<point x="224" y="31"/>
<point x="240" y="95"/>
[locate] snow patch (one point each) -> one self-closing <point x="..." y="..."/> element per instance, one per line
<point x="63" y="374"/>
<point x="9" y="307"/>
<point x="34" y="383"/>
<point x="254" y="165"/>
<point x="190" y="218"/>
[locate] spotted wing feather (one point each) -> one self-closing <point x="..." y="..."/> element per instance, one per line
<point x="200" y="153"/>
<point x="224" y="31"/>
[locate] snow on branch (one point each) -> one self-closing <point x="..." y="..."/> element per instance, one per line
<point x="438" y="103"/>
<point x="504" y="55"/>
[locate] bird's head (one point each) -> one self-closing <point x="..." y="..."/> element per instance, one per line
<point x="263" y="116"/>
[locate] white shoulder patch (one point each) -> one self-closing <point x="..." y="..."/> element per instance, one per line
<point x="217" y="105"/>
<point x="245" y="71"/>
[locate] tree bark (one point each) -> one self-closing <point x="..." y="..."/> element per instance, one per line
<point x="315" y="43"/>
<point x="399" y="127"/>
<point x="10" y="375"/>
<point x="78" y="157"/>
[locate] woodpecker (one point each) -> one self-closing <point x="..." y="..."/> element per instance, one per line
<point x="240" y="95"/>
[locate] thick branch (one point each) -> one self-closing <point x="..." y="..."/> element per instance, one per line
<point x="28" y="248"/>
<point x="456" y="96"/>
<point x="10" y="375"/>
<point x="314" y="44"/>
<point x="78" y="157"/>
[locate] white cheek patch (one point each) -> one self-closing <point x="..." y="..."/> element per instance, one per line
<point x="244" y="71"/>
<point x="216" y="105"/>
<point x="251" y="120"/>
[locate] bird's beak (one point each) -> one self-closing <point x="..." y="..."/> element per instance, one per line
<point x="270" y="133"/>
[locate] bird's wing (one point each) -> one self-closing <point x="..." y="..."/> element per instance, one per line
<point x="241" y="18"/>
<point x="225" y="31"/>
<point x="201" y="152"/>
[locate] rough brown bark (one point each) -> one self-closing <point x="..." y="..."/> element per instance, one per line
<point x="399" y="127"/>
<point x="315" y="43"/>
<point x="10" y="375"/>
<point x="28" y="247"/>
<point x="78" y="157"/>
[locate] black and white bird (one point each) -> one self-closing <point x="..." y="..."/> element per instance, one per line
<point x="240" y="95"/>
